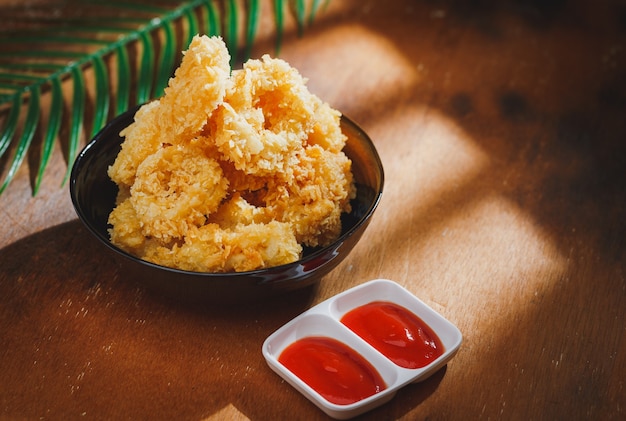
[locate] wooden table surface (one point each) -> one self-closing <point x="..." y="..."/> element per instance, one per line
<point x="502" y="129"/>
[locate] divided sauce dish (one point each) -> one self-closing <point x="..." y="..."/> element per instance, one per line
<point x="325" y="320"/>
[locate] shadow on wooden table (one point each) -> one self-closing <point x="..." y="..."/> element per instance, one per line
<point x="88" y="342"/>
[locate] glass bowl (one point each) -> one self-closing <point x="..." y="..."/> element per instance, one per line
<point x="93" y="196"/>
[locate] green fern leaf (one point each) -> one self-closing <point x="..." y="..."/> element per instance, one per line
<point x="102" y="95"/>
<point x="32" y="118"/>
<point x="299" y="8"/>
<point x="123" y="80"/>
<point x="279" y="19"/>
<point x="146" y="69"/>
<point x="315" y="6"/>
<point x="212" y="19"/>
<point x="76" y="124"/>
<point x="46" y="46"/>
<point x="54" y="122"/>
<point x="168" y="56"/>
<point x="192" y="25"/>
<point x="252" y="26"/>
<point x="232" y="29"/>
<point x="11" y="124"/>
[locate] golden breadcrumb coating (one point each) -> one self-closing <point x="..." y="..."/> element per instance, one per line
<point x="230" y="172"/>
<point x="198" y="86"/>
<point x="142" y="139"/>
<point x="266" y="117"/>
<point x="174" y="189"/>
<point x="127" y="232"/>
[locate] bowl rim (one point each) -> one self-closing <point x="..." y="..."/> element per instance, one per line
<point x="128" y="114"/>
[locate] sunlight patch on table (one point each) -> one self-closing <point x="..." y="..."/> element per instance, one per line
<point x="488" y="264"/>
<point x="437" y="160"/>
<point x="229" y="412"/>
<point x="424" y="176"/>
<point x="355" y="62"/>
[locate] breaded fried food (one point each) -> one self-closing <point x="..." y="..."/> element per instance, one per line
<point x="198" y="86"/>
<point x="230" y="172"/>
<point x="174" y="189"/>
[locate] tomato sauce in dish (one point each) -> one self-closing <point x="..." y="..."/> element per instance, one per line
<point x="333" y="369"/>
<point x="396" y="333"/>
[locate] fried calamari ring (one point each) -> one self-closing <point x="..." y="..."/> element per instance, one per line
<point x="256" y="246"/>
<point x="266" y="117"/>
<point x="127" y="233"/>
<point x="201" y="251"/>
<point x="211" y="248"/>
<point x="313" y="203"/>
<point x="142" y="139"/>
<point x="326" y="131"/>
<point x="176" y="188"/>
<point x="198" y="86"/>
<point x="178" y="115"/>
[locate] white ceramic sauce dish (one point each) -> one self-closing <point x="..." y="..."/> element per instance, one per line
<point x="324" y="320"/>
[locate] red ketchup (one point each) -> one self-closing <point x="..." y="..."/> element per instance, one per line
<point x="332" y="369"/>
<point x="395" y="332"/>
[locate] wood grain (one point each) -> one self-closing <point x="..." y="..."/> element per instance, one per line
<point x="501" y="128"/>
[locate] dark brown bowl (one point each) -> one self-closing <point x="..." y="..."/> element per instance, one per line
<point x="93" y="196"/>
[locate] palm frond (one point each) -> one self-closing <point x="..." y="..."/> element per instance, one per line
<point x="107" y="57"/>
